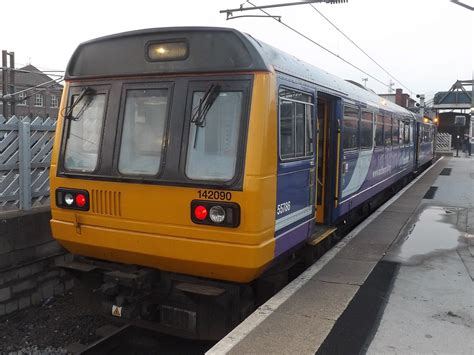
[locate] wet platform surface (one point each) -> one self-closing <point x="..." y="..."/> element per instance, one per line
<point x="431" y="306"/>
<point x="403" y="283"/>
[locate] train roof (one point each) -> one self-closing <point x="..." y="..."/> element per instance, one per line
<point x="209" y="49"/>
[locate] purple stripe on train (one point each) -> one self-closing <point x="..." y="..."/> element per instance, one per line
<point x="291" y="238"/>
<point x="380" y="175"/>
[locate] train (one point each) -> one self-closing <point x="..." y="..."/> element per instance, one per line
<point x="192" y="166"/>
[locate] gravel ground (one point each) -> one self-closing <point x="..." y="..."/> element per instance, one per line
<point x="48" y="328"/>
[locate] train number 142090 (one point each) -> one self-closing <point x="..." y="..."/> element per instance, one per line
<point x="215" y="195"/>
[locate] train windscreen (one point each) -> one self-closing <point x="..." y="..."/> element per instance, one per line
<point x="212" y="145"/>
<point x="83" y="135"/>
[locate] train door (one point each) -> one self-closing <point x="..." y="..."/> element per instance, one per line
<point x="327" y="158"/>
<point x="296" y="168"/>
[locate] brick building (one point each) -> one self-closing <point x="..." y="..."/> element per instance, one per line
<point x="43" y="103"/>
<point x="400" y="98"/>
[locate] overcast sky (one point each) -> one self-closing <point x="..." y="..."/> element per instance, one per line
<point x="426" y="44"/>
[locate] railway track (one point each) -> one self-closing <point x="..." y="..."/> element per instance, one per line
<point x="130" y="339"/>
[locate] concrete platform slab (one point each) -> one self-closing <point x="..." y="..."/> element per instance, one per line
<point x="380" y="234"/>
<point x="283" y="333"/>
<point x="407" y="206"/>
<point x="360" y="250"/>
<point x="346" y="271"/>
<point x="320" y="300"/>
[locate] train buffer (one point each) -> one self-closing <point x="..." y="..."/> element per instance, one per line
<point x="400" y="282"/>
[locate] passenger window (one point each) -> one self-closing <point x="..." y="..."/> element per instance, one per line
<point x="395" y="131"/>
<point x="366" y="130"/>
<point x="407" y="136"/>
<point x="402" y="131"/>
<point x="350" y="128"/>
<point x="387" y="130"/>
<point x="309" y="129"/>
<point x="296" y="125"/>
<point x="287" y="140"/>
<point x="300" y="130"/>
<point x="143" y="131"/>
<point x="425" y="134"/>
<point x="379" y="131"/>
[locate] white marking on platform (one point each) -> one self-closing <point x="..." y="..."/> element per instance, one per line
<point x="261" y="313"/>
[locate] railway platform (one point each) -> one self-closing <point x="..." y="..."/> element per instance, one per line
<point x="400" y="282"/>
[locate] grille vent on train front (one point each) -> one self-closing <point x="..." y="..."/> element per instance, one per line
<point x="106" y="202"/>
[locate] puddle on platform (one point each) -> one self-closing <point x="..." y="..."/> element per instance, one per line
<point x="434" y="232"/>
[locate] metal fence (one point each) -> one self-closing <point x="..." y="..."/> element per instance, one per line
<point x="443" y="142"/>
<point x="25" y="155"/>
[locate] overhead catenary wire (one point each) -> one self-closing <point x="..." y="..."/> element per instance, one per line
<point x="24" y="71"/>
<point x="52" y="82"/>
<point x="38" y="90"/>
<point x="358" y="47"/>
<point x="321" y="46"/>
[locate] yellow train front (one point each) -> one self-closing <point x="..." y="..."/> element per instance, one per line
<point x="164" y="174"/>
<point x="192" y="165"/>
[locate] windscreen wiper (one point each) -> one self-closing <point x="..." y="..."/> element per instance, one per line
<point x="199" y="115"/>
<point x="85" y="91"/>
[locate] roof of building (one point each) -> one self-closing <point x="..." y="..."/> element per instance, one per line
<point x="29" y="76"/>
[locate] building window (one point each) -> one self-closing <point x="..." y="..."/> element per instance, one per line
<point x="39" y="100"/>
<point x="21" y="99"/>
<point x="54" y="101"/>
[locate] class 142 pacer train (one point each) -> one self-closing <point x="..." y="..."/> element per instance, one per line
<point x="192" y="165"/>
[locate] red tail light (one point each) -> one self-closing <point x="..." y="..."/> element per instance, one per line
<point x="81" y="200"/>
<point x="200" y="212"/>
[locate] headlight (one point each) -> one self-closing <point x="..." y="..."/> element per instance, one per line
<point x="68" y="199"/>
<point x="217" y="214"/>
